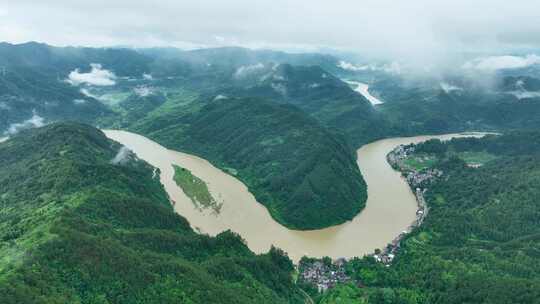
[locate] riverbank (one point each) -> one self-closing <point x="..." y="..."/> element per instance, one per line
<point x="390" y="208"/>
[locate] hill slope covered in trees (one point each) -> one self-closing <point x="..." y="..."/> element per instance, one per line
<point x="304" y="174"/>
<point x="480" y="241"/>
<point x="80" y="225"/>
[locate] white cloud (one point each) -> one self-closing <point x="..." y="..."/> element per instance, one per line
<point x="97" y="76"/>
<point x="35" y="121"/>
<point x="4" y="106"/>
<point x="525" y="94"/>
<point x="79" y="101"/>
<point x="522" y="93"/>
<point x="87" y="93"/>
<point x="143" y="91"/>
<point x="122" y="156"/>
<point x="494" y="63"/>
<point x="391" y="68"/>
<point x="412" y="32"/>
<point x="280" y="88"/>
<point x="147" y="76"/>
<point x="351" y="67"/>
<point x="447" y="88"/>
<point x="245" y="70"/>
<point x="220" y="97"/>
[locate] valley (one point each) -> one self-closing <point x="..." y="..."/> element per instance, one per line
<point x="390" y="209"/>
<point x="235" y="175"/>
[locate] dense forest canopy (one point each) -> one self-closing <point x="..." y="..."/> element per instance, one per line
<point x="76" y="227"/>
<point x="480" y="242"/>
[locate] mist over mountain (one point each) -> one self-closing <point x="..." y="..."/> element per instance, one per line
<point x="162" y="151"/>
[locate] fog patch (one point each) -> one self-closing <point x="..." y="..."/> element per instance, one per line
<point x="278" y="77"/>
<point x="351" y="67"/>
<point x="522" y="93"/>
<point x="122" y="156"/>
<point x="390" y="68"/>
<point x="220" y="97"/>
<point x="447" y="88"/>
<point x="143" y="91"/>
<point x="246" y="70"/>
<point x="525" y="94"/>
<point x="494" y="63"/>
<point x="97" y="76"/>
<point x="79" y="101"/>
<point x="280" y="88"/>
<point x="147" y="76"/>
<point x="35" y="121"/>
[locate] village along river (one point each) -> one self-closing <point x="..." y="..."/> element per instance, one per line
<point x="391" y="206"/>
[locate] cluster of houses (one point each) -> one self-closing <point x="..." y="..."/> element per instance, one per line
<point x="324" y="275"/>
<point x="417" y="179"/>
<point x="396" y="156"/>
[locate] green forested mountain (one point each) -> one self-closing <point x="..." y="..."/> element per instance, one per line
<point x="25" y="93"/>
<point x="168" y="94"/>
<point x="39" y="56"/>
<point x="480" y="242"/>
<point x="509" y="103"/>
<point x="33" y="81"/>
<point x="318" y="93"/>
<point x="78" y="224"/>
<point x="304" y="174"/>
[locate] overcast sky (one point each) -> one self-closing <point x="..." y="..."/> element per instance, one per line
<point x="420" y="29"/>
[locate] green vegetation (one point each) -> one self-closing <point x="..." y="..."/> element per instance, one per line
<point x="420" y="162"/>
<point x="75" y="228"/>
<point x="480" y="242"/>
<point x="195" y="188"/>
<point x="476" y="158"/>
<point x="321" y="95"/>
<point x="304" y="174"/>
<point x="425" y="108"/>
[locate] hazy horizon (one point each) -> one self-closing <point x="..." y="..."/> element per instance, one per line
<point x="420" y="30"/>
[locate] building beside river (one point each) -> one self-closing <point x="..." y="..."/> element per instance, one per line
<point x="323" y="274"/>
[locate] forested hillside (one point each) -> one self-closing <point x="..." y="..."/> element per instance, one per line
<point x="304" y="174"/>
<point x="81" y="224"/>
<point x="168" y="94"/>
<point x="480" y="242"/>
<point x="318" y="93"/>
<point x="509" y="103"/>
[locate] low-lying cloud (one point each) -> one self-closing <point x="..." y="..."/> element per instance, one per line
<point x="447" y="88"/>
<point x="391" y="68"/>
<point x="246" y="70"/>
<point x="97" y="76"/>
<point x="143" y="91"/>
<point x="35" y="121"/>
<point x="494" y="63"/>
<point x="122" y="156"/>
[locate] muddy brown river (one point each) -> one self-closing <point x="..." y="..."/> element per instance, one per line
<point x="390" y="208"/>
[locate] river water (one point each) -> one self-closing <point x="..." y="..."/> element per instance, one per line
<point x="363" y="89"/>
<point x="390" y="208"/>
